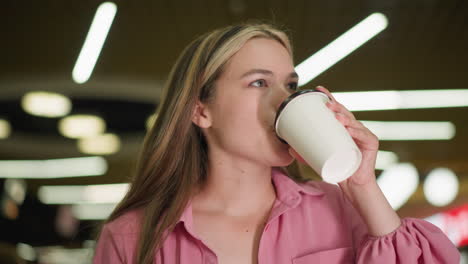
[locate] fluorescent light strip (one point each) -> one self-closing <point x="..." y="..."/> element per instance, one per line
<point x="341" y="47"/>
<point x="92" y="211"/>
<point x="410" y="130"/>
<point x="53" y="168"/>
<point x="60" y="255"/>
<point x="94" y="41"/>
<point x="410" y="99"/>
<point x="83" y="194"/>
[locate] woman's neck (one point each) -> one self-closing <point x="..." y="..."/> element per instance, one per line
<point x="236" y="188"/>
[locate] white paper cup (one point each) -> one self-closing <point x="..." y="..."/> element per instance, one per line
<point x="305" y="123"/>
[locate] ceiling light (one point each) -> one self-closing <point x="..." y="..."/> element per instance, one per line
<point x="411" y="130"/>
<point x="341" y="47"/>
<point x="92" y="211"/>
<point x="46" y="104"/>
<point x="94" y="41"/>
<point x="410" y="99"/>
<point x="83" y="194"/>
<point x="441" y="187"/>
<point x="53" y="168"/>
<point x="79" y="126"/>
<point x="398" y="183"/>
<point x="104" y="144"/>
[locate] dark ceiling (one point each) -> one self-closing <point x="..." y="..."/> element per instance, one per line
<point x="424" y="47"/>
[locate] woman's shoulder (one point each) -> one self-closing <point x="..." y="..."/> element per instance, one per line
<point x="127" y="223"/>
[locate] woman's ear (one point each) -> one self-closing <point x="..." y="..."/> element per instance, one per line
<point x="201" y="115"/>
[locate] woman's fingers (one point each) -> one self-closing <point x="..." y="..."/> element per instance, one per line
<point x="348" y="121"/>
<point x="335" y="105"/>
<point x="358" y="131"/>
<point x="364" y="137"/>
<point x="339" y="108"/>
<point x="325" y="90"/>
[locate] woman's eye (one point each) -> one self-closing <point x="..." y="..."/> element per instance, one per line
<point x="293" y="86"/>
<point x="258" y="83"/>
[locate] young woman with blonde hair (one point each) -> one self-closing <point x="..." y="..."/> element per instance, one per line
<point x="213" y="185"/>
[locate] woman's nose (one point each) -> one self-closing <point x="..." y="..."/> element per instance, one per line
<point x="281" y="94"/>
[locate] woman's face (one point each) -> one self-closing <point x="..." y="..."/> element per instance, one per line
<point x="248" y="93"/>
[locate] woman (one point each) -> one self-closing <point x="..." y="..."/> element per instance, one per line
<point x="211" y="185"/>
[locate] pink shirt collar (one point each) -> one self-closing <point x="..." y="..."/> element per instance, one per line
<point x="288" y="196"/>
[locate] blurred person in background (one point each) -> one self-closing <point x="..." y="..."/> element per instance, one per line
<point x="213" y="183"/>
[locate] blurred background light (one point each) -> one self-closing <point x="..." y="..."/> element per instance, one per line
<point x="440" y="186"/>
<point x="104" y="144"/>
<point x="15" y="189"/>
<point x="82" y="194"/>
<point x="453" y="222"/>
<point x="62" y="255"/>
<point x="26" y="252"/>
<point x="464" y="258"/>
<point x="410" y="99"/>
<point x="53" y="168"/>
<point x="92" y="211"/>
<point x="79" y="126"/>
<point x="46" y="104"/>
<point x="5" y="128"/>
<point x="411" y="130"/>
<point x="385" y="159"/>
<point x="341" y="47"/>
<point x="94" y="41"/>
<point x="150" y="121"/>
<point x="89" y="243"/>
<point x="398" y="182"/>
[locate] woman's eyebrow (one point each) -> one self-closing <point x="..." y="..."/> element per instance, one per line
<point x="266" y="72"/>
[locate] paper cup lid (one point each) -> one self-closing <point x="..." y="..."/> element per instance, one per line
<point x="288" y="100"/>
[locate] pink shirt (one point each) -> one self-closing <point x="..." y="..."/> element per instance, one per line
<point x="309" y="223"/>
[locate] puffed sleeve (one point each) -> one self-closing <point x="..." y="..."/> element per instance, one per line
<point x="414" y="241"/>
<point x="107" y="248"/>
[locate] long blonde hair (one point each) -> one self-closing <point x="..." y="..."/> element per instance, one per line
<point x="174" y="159"/>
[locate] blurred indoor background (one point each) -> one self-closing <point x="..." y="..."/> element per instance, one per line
<point x="80" y="81"/>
